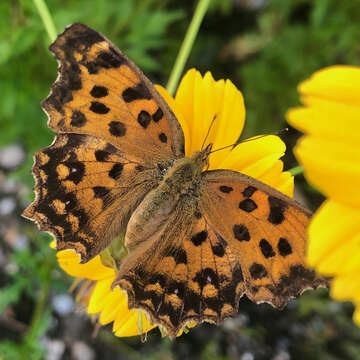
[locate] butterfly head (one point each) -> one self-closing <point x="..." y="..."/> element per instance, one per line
<point x="201" y="158"/>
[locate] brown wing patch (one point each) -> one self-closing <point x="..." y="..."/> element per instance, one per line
<point x="81" y="181"/>
<point x="265" y="230"/>
<point x="101" y="92"/>
<point x="188" y="274"/>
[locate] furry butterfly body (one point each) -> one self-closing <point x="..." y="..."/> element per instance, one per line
<point x="197" y="240"/>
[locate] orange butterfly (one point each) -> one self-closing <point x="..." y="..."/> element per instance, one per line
<point x="197" y="240"/>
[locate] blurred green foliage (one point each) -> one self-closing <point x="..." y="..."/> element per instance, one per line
<point x="266" y="52"/>
<point x="298" y="38"/>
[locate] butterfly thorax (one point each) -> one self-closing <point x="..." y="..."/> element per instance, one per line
<point x="180" y="182"/>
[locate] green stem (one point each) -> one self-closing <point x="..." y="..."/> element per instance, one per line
<point x="46" y="18"/>
<point x="187" y="45"/>
<point x="297" y="170"/>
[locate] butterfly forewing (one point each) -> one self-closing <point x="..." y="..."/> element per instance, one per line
<point x="100" y="92"/>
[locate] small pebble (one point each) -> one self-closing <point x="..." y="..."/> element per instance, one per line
<point x="81" y="351"/>
<point x="11" y="156"/>
<point x="21" y="242"/>
<point x="282" y="355"/>
<point x="247" y="356"/>
<point x="63" y="304"/>
<point x="55" y="349"/>
<point x="7" y="206"/>
<point x="8" y="186"/>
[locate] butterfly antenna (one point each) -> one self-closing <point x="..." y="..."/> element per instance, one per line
<point x="251" y="139"/>
<point x="208" y="132"/>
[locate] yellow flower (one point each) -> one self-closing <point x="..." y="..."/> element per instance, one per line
<point x="330" y="154"/>
<point x="198" y="100"/>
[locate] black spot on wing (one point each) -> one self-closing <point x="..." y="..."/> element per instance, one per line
<point x="249" y="191"/>
<point x="110" y="59"/>
<point x="104" y="60"/>
<point x="218" y="250"/>
<point x="228" y="292"/>
<point x="247" y="205"/>
<point x="225" y="189"/>
<point x="205" y="277"/>
<point x="116" y="171"/>
<point x="117" y="128"/>
<point x="99" y="91"/>
<point x="157" y="278"/>
<point x="78" y="119"/>
<point x="157" y="116"/>
<point x="257" y="271"/>
<point x="81" y="216"/>
<point x="241" y="232"/>
<point x="177" y="288"/>
<point x="277" y="209"/>
<point x="100" y="191"/>
<point x="284" y="247"/>
<point x="99" y="108"/>
<point x="178" y="254"/>
<point x="266" y="248"/>
<point x="192" y="301"/>
<point x="144" y="119"/>
<point x="199" y="238"/>
<point x="137" y="92"/>
<point x="76" y="171"/>
<point x="101" y="155"/>
<point x="163" y="138"/>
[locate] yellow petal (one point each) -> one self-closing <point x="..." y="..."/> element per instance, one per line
<point x="327" y="119"/>
<point x="185" y="100"/>
<point x="333" y="226"/>
<point x="100" y="291"/>
<point x="69" y="261"/>
<point x="136" y="324"/>
<point x="346" y="287"/>
<point x="335" y="83"/>
<point x="332" y="168"/>
<point x="113" y="303"/>
<point x="229" y="122"/>
<point x="356" y="316"/>
<point x="202" y="99"/>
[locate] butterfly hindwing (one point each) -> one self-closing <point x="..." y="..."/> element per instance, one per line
<point x="265" y="229"/>
<point x="186" y="274"/>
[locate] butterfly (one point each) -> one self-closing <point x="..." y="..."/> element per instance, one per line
<point x="197" y="240"/>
